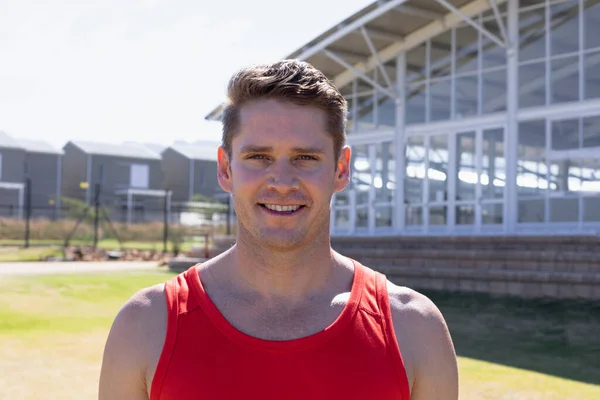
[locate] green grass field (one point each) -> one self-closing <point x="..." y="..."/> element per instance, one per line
<point x="12" y="250"/>
<point x="109" y="244"/>
<point x="53" y="328"/>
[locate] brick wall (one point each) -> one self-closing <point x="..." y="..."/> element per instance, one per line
<point x="524" y="266"/>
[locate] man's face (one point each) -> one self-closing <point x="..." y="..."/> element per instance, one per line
<point x="282" y="173"/>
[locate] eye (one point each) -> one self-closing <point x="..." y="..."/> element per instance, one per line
<point x="307" y="158"/>
<point x="256" y="157"/>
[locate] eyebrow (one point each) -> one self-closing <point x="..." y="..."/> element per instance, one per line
<point x="268" y="149"/>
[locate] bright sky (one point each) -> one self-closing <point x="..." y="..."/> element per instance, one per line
<point x="139" y="70"/>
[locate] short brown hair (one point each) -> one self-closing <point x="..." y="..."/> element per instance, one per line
<point x="290" y="80"/>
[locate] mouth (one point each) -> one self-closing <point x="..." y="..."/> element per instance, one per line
<point x="276" y="209"/>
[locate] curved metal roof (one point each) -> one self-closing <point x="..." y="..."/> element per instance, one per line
<point x="377" y="34"/>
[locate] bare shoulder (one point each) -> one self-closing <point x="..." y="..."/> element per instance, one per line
<point x="425" y="343"/>
<point x="134" y="345"/>
<point x="411" y="306"/>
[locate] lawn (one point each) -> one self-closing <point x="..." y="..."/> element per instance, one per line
<point x="53" y="328"/>
<point x="12" y="250"/>
<point x="17" y="254"/>
<point x="108" y="244"/>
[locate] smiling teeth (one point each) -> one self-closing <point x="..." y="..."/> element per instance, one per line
<point x="281" y="208"/>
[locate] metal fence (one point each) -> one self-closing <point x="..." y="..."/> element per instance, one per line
<point x="159" y="225"/>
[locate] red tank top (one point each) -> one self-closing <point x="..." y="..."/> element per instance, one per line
<point x="205" y="357"/>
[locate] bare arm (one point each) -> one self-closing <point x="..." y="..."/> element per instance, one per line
<point x="426" y="345"/>
<point x="133" y="347"/>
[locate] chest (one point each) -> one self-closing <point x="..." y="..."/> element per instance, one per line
<point x="328" y="372"/>
<point x="280" y="322"/>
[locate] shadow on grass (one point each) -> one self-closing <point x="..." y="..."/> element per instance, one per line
<point x="555" y="337"/>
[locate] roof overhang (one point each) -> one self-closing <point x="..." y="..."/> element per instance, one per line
<point x="373" y="37"/>
<point x="143" y="192"/>
<point x="12" y="185"/>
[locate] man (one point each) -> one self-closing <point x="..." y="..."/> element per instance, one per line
<point x="280" y="315"/>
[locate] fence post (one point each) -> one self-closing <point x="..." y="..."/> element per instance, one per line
<point x="165" y="221"/>
<point x="27" y="210"/>
<point x="96" y="214"/>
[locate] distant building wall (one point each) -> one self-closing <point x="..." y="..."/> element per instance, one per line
<point x="74" y="172"/>
<point x="176" y="173"/>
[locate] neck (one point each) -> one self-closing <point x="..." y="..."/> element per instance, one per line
<point x="289" y="276"/>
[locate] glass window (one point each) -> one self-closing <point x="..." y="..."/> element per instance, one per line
<point x="415" y="170"/>
<point x="591" y="21"/>
<point x="415" y="64"/>
<point x="465" y="214"/>
<point x="362" y="217"/>
<point x="466" y="49"/>
<point x="437" y="173"/>
<point x="386" y="112"/>
<point x="342" y="219"/>
<point x="341" y="198"/>
<point x="364" y="114"/>
<point x="565" y="79"/>
<point x="384" y="172"/>
<point x="383" y="216"/>
<point x="467" y="171"/>
<point x="414" y="215"/>
<point x="492" y="213"/>
<point x="466" y="96"/>
<point x="565" y="176"/>
<point x="440" y="100"/>
<point x="590" y="175"/>
<point x="438" y="215"/>
<point x="441" y="55"/>
<point x="494" y="91"/>
<point x="366" y="109"/>
<point x="591" y="132"/>
<point x="415" y="104"/>
<point x="565" y="134"/>
<point x="493" y="174"/>
<point x="564" y="33"/>
<point x="592" y="75"/>
<point x="361" y="173"/>
<point x="531" y="178"/>
<point x="591" y="209"/>
<point x="532" y="34"/>
<point x="532" y="211"/>
<point x="532" y="85"/>
<point x="532" y="140"/>
<point x="350" y="121"/>
<point x="493" y="54"/>
<point x="564" y="209"/>
<point x="531" y="165"/>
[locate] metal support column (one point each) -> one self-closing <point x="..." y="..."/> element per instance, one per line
<point x="129" y="205"/>
<point x="399" y="141"/>
<point x="21" y="198"/>
<point x="512" y="124"/>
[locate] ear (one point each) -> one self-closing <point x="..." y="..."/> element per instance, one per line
<point x="224" y="170"/>
<point x="342" y="172"/>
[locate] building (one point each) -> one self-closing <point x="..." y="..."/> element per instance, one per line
<point x="43" y="166"/>
<point x="475" y="117"/>
<point x="190" y="170"/>
<point x="128" y="177"/>
<point x="12" y="177"/>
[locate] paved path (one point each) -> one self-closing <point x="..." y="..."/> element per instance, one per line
<point x="28" y="268"/>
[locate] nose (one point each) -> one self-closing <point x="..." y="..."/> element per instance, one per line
<point x="282" y="177"/>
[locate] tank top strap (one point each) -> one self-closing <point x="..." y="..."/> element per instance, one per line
<point x="179" y="301"/>
<point x="387" y="326"/>
<point x="370" y="298"/>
